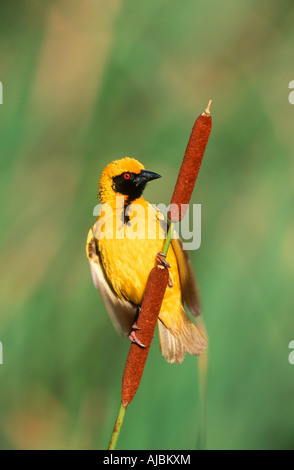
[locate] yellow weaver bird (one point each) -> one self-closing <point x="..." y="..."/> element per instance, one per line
<point x="124" y="245"/>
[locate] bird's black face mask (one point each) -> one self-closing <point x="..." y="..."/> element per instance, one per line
<point x="133" y="184"/>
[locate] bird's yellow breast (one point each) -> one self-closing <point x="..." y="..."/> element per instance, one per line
<point x="128" y="242"/>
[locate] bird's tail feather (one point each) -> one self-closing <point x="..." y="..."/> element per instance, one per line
<point x="175" y="344"/>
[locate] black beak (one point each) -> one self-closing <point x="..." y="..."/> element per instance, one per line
<point x="145" y="176"/>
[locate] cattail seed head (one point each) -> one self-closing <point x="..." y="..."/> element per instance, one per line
<point x="153" y="297"/>
<point x="159" y="276"/>
<point x="190" y="166"/>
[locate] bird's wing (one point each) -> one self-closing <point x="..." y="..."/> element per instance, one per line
<point x="122" y="312"/>
<point x="189" y="286"/>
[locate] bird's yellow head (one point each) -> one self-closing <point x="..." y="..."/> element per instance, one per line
<point x="124" y="177"/>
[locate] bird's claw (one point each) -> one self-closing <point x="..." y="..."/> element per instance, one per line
<point x="136" y="327"/>
<point x="134" y="339"/>
<point x="161" y="258"/>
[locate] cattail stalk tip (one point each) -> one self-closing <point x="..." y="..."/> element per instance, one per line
<point x="207" y="110"/>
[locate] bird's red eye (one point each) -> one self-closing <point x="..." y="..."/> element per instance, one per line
<point x="127" y="176"/>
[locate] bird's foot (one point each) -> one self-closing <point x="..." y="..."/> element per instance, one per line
<point x="133" y="337"/>
<point x="135" y="326"/>
<point x="161" y="258"/>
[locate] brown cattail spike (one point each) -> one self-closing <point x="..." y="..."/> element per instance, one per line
<point x="190" y="166"/>
<point x="153" y="297"/>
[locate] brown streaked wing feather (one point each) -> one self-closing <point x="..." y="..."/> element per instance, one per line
<point x="175" y="344"/>
<point x="122" y="312"/>
<point x="189" y="287"/>
<point x="171" y="346"/>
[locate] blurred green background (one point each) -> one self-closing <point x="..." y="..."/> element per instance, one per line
<point x="85" y="82"/>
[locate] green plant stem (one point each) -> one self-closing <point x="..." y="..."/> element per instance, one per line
<point x="117" y="426"/>
<point x="202" y="369"/>
<point x="168" y="238"/>
<point x="203" y="400"/>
